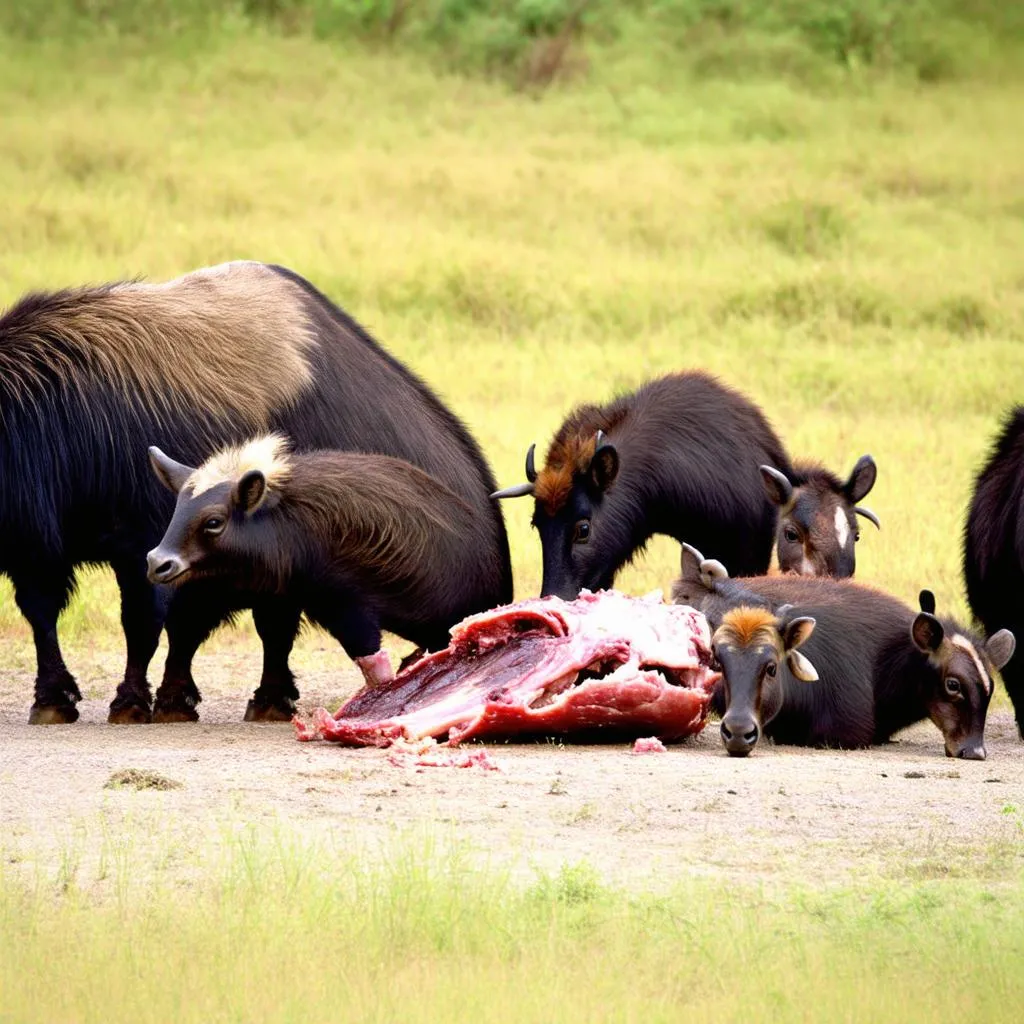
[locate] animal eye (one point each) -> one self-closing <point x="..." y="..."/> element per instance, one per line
<point x="790" y="534"/>
<point x="953" y="686"/>
<point x="770" y="669"/>
<point x="214" y="524"/>
<point x="581" y="532"/>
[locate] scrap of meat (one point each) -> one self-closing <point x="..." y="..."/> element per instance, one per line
<point x="478" y="758"/>
<point x="649" y="745"/>
<point x="605" y="666"/>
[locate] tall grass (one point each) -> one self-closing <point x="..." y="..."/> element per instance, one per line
<point x="853" y="259"/>
<point x="284" y="933"/>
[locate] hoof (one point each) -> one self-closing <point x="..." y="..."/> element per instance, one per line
<point x="268" y="712"/>
<point x="129" y="714"/>
<point x="52" y="714"/>
<point x="162" y="716"/>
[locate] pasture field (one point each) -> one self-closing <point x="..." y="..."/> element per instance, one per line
<point x="845" y="247"/>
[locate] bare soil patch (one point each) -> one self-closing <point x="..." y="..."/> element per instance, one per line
<point x="787" y="814"/>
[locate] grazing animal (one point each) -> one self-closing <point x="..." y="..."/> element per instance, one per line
<point x="89" y="376"/>
<point x="685" y="456"/>
<point x="817" y="517"/>
<point x="823" y="662"/>
<point x="994" y="548"/>
<point x="359" y="542"/>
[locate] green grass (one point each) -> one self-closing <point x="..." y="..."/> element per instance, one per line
<point x="847" y="248"/>
<point x="852" y="258"/>
<point x="282" y="932"/>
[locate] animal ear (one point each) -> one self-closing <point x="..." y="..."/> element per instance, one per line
<point x="862" y="479"/>
<point x="776" y="485"/>
<point x="170" y="473"/>
<point x="604" y="466"/>
<point x="927" y="632"/>
<point x="1000" y="647"/>
<point x="927" y="601"/>
<point x="689" y="563"/>
<point x="250" y="491"/>
<point x="800" y="667"/>
<point x="796" y="631"/>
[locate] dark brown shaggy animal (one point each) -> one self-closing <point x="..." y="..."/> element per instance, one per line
<point x="994" y="548"/>
<point x="89" y="376"/>
<point x="359" y="543"/>
<point x="685" y="456"/>
<point x="867" y="664"/>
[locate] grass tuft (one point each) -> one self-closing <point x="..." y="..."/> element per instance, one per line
<point x="139" y="779"/>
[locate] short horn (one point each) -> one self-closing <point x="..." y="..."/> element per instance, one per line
<point x="531" y="468"/>
<point x="516" y="491"/>
<point x="867" y="514"/>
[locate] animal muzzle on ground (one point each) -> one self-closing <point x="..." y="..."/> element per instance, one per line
<point x="164" y="567"/>
<point x="739" y="735"/>
<point x="972" y="749"/>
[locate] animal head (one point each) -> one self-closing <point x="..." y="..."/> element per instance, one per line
<point x="755" y="647"/>
<point x="962" y="683"/>
<point x="817" y="519"/>
<point x="568" y="494"/>
<point x="217" y="504"/>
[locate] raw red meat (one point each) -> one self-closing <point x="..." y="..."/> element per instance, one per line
<point x="605" y="666"/>
<point x="649" y="745"/>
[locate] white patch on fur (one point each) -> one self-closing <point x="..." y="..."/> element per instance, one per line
<point x="806" y="566"/>
<point x="267" y="454"/>
<point x="965" y="645"/>
<point x="842" y="527"/>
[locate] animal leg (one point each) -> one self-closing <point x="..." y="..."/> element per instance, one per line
<point x="1013" y="679"/>
<point x="277" y="622"/>
<point x="143" y="610"/>
<point x="357" y="629"/>
<point x="376" y="668"/>
<point x="196" y="610"/>
<point x="41" y="596"/>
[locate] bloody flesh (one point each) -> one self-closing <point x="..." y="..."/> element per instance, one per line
<point x="605" y="666"/>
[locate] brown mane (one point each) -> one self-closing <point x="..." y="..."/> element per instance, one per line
<point x="228" y="340"/>
<point x="746" y="626"/>
<point x="570" y="453"/>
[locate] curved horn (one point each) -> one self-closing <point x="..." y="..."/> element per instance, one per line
<point x="711" y="569"/>
<point x="516" y="491"/>
<point x="531" y="468"/>
<point x="598" y="440"/>
<point x="867" y="514"/>
<point x="697" y="555"/>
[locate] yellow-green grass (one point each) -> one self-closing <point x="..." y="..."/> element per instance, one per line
<point x="282" y="932"/>
<point x="852" y="258"/>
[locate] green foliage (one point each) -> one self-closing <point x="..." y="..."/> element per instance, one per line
<point x="532" y="42"/>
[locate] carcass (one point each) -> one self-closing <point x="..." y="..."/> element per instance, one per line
<point x="604" y="666"/>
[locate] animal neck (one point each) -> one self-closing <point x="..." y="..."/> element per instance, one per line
<point x="902" y="680"/>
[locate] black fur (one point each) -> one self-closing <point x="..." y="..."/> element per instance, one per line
<point x="873" y="679"/>
<point x="359" y="542"/>
<point x="76" y="488"/>
<point x="689" y="450"/>
<point x="994" y="548"/>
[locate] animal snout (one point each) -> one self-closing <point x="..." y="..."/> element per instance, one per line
<point x="739" y="736"/>
<point x="971" y="750"/>
<point x="163" y="566"/>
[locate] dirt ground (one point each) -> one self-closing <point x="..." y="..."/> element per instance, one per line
<point x="903" y="810"/>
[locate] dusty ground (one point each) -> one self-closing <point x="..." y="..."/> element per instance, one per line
<point x="904" y="810"/>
